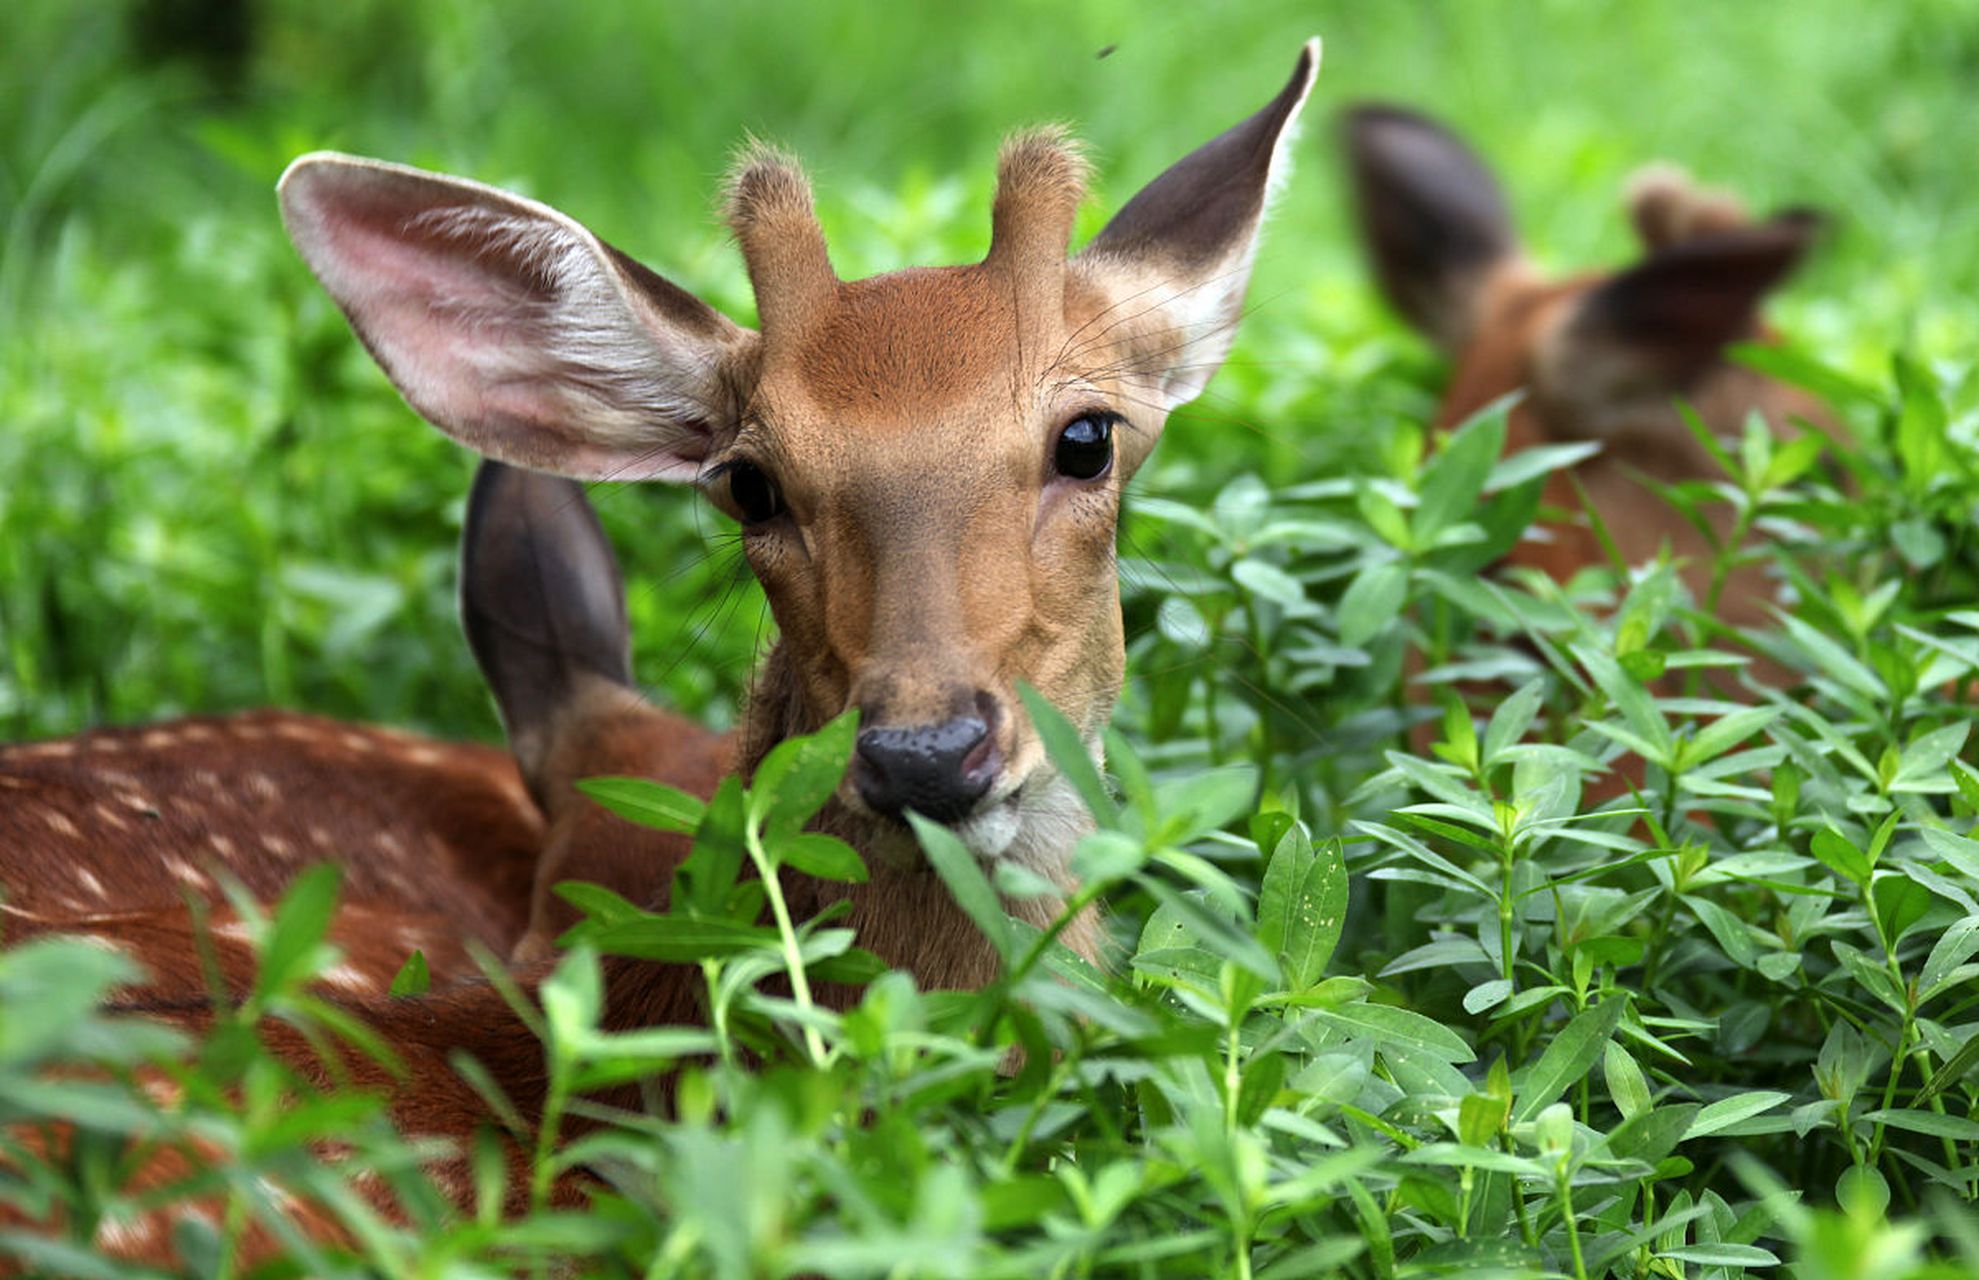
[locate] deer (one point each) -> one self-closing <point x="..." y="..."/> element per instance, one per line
<point x="1600" y="356"/>
<point x="926" y="468"/>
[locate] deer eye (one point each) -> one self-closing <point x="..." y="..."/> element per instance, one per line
<point x="1085" y="447"/>
<point x="753" y="494"/>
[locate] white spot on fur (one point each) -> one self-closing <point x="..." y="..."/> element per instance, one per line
<point x="108" y="816"/>
<point x="90" y="881"/>
<point x="184" y="872"/>
<point x="158" y="739"/>
<point x="222" y="845"/>
<point x="320" y="837"/>
<point x="277" y="846"/>
<point x="261" y="785"/>
<point x="347" y="977"/>
<point x="115" y="1236"/>
<point x="47" y="750"/>
<point x="61" y="825"/>
<point x="357" y="742"/>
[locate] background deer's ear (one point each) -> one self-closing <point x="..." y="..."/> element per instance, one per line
<point x="509" y="326"/>
<point x="1181" y="249"/>
<point x="1432" y="218"/>
<point x="1654" y="329"/>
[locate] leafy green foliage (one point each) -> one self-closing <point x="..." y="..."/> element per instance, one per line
<point x="1572" y="949"/>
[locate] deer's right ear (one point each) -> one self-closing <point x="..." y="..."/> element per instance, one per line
<point x="509" y="326"/>
<point x="1432" y="218"/>
<point x="1181" y="250"/>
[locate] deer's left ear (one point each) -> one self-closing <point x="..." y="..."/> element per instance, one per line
<point x="1179" y="254"/>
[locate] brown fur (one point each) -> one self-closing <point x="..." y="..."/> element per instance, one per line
<point x="134" y="819"/>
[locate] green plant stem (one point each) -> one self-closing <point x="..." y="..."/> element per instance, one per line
<point x="793" y="956"/>
<point x="1506" y="914"/>
<point x="1573" y="1227"/>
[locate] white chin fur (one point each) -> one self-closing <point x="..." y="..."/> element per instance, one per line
<point x="990" y="833"/>
<point x="1036" y="828"/>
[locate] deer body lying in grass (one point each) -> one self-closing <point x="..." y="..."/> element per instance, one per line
<point x="1600" y="357"/>
<point x="927" y="470"/>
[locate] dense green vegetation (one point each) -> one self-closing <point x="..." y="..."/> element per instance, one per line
<point x="1718" y="1028"/>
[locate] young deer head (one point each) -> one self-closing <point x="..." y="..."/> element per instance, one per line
<point x="1601" y="357"/>
<point x="926" y="465"/>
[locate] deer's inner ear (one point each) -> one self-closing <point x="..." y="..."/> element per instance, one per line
<point x="510" y="326"/>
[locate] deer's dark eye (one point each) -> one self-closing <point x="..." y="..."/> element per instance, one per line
<point x="754" y="494"/>
<point x="1085" y="447"/>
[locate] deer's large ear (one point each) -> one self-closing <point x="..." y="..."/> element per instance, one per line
<point x="1180" y="251"/>
<point x="1432" y="219"/>
<point x="1652" y="330"/>
<point x="509" y="326"/>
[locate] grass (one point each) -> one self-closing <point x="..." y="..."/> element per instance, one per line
<point x="1542" y="1036"/>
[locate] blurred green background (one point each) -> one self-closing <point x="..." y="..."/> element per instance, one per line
<point x="210" y="499"/>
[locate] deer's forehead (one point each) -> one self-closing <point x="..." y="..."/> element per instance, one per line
<point x="899" y="347"/>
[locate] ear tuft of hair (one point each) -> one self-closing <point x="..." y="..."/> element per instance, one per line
<point x="1041" y="177"/>
<point x="765" y="187"/>
<point x="766" y="202"/>
<point x="1669" y="207"/>
<point x="1044" y="167"/>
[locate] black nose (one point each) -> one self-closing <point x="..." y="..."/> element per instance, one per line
<point x="937" y="770"/>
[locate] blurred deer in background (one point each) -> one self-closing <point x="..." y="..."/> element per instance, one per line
<point x="927" y="469"/>
<point x="1601" y="356"/>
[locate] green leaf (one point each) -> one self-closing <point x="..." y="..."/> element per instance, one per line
<point x="1726" y="1112"/>
<point x="1626" y="1084"/>
<point x="705" y="883"/>
<point x="413" y="978"/>
<point x="1267" y="581"/>
<point x="1067" y="749"/>
<point x="1400" y="1028"/>
<point x="1571" y="1055"/>
<point x="1900" y="903"/>
<point x="1958" y="944"/>
<point x="1724" y="733"/>
<point x="648" y="803"/>
<point x="1204" y="801"/>
<point x="1734" y="935"/>
<point x="1487" y="995"/>
<point x="800" y="774"/>
<point x="1926" y="763"/>
<point x="966" y="883"/>
<point x="680" y="940"/>
<point x="1103" y="857"/>
<point x="1957" y="1128"/>
<point x="1839" y="855"/>
<point x="1383" y="516"/>
<point x="1372" y="601"/>
<point x="1632" y="700"/>
<point x="1512" y="720"/>
<point x="294" y="947"/>
<point x="1302" y="906"/>
<point x="1722" y="1255"/>
<point x="1953" y="1070"/>
<point x="1454" y="480"/>
<point x="823" y="856"/>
